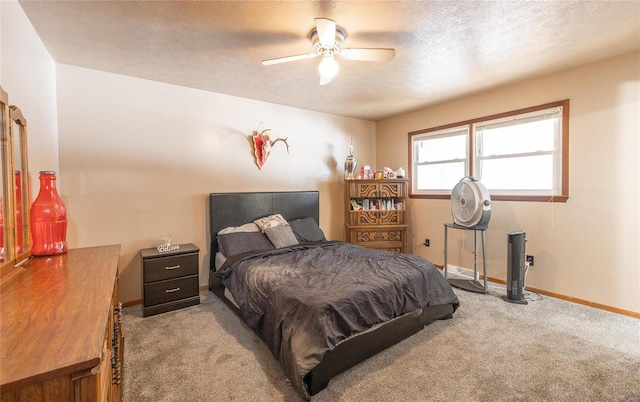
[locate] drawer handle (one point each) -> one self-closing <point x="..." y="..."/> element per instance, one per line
<point x="172" y="267"/>
<point x="171" y="290"/>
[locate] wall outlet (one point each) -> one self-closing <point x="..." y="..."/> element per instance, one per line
<point x="530" y="260"/>
<point x="426" y="242"/>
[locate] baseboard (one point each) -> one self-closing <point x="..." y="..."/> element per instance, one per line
<point x="571" y="299"/>
<point x="131" y="303"/>
<point x="584" y="302"/>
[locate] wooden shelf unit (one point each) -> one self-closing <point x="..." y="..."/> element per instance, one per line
<point x="384" y="227"/>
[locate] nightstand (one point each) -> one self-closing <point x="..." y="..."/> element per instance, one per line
<point x="169" y="279"/>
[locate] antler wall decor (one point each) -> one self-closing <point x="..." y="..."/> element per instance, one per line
<point x="262" y="144"/>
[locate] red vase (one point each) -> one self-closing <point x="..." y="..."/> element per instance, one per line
<point x="48" y="219"/>
<point x="1" y="233"/>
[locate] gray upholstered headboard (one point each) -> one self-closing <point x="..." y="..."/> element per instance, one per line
<point x="234" y="209"/>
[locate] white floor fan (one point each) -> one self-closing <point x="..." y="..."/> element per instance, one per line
<point x="471" y="210"/>
<point x="470" y="204"/>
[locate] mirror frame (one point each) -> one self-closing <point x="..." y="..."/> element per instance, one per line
<point x="21" y="122"/>
<point x="13" y="115"/>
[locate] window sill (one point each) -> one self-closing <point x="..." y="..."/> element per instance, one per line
<point x="531" y="198"/>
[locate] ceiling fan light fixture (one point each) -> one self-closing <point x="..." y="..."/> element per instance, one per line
<point x="328" y="67"/>
<point x="327" y="40"/>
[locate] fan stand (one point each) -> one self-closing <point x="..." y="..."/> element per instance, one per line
<point x="472" y="285"/>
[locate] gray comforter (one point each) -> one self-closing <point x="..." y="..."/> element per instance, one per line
<point x="304" y="300"/>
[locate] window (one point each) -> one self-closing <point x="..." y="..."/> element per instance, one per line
<point x="441" y="159"/>
<point x="519" y="155"/>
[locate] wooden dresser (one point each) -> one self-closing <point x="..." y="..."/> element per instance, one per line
<point x="376" y="213"/>
<point x="169" y="279"/>
<point x="60" y="334"/>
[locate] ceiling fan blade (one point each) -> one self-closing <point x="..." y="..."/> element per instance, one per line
<point x="326" y="31"/>
<point x="289" y="58"/>
<point x="325" y="79"/>
<point x="374" y="54"/>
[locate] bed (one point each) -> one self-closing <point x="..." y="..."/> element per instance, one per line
<point x="343" y="332"/>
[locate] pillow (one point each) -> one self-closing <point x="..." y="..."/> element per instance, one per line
<point x="270" y="221"/>
<point x="307" y="230"/>
<point x="281" y="236"/>
<point x="247" y="227"/>
<point x="241" y="242"/>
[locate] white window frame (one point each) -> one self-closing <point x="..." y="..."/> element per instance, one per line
<point x="419" y="139"/>
<point x="560" y="153"/>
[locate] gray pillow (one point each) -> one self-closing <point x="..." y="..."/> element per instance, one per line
<point x="281" y="236"/>
<point x="307" y="230"/>
<point x="241" y="242"/>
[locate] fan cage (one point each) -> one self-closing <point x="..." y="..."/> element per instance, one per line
<point x="468" y="203"/>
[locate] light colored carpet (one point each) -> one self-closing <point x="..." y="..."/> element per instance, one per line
<point x="548" y="350"/>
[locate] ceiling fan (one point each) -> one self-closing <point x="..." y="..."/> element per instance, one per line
<point x="327" y="40"/>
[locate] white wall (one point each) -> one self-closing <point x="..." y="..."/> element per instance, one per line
<point x="138" y="159"/>
<point x="586" y="248"/>
<point x="28" y="75"/>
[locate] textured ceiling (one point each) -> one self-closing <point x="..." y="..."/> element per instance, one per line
<point x="444" y="49"/>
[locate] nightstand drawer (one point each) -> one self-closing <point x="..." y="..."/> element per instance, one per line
<point x="169" y="267"/>
<point x="170" y="290"/>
